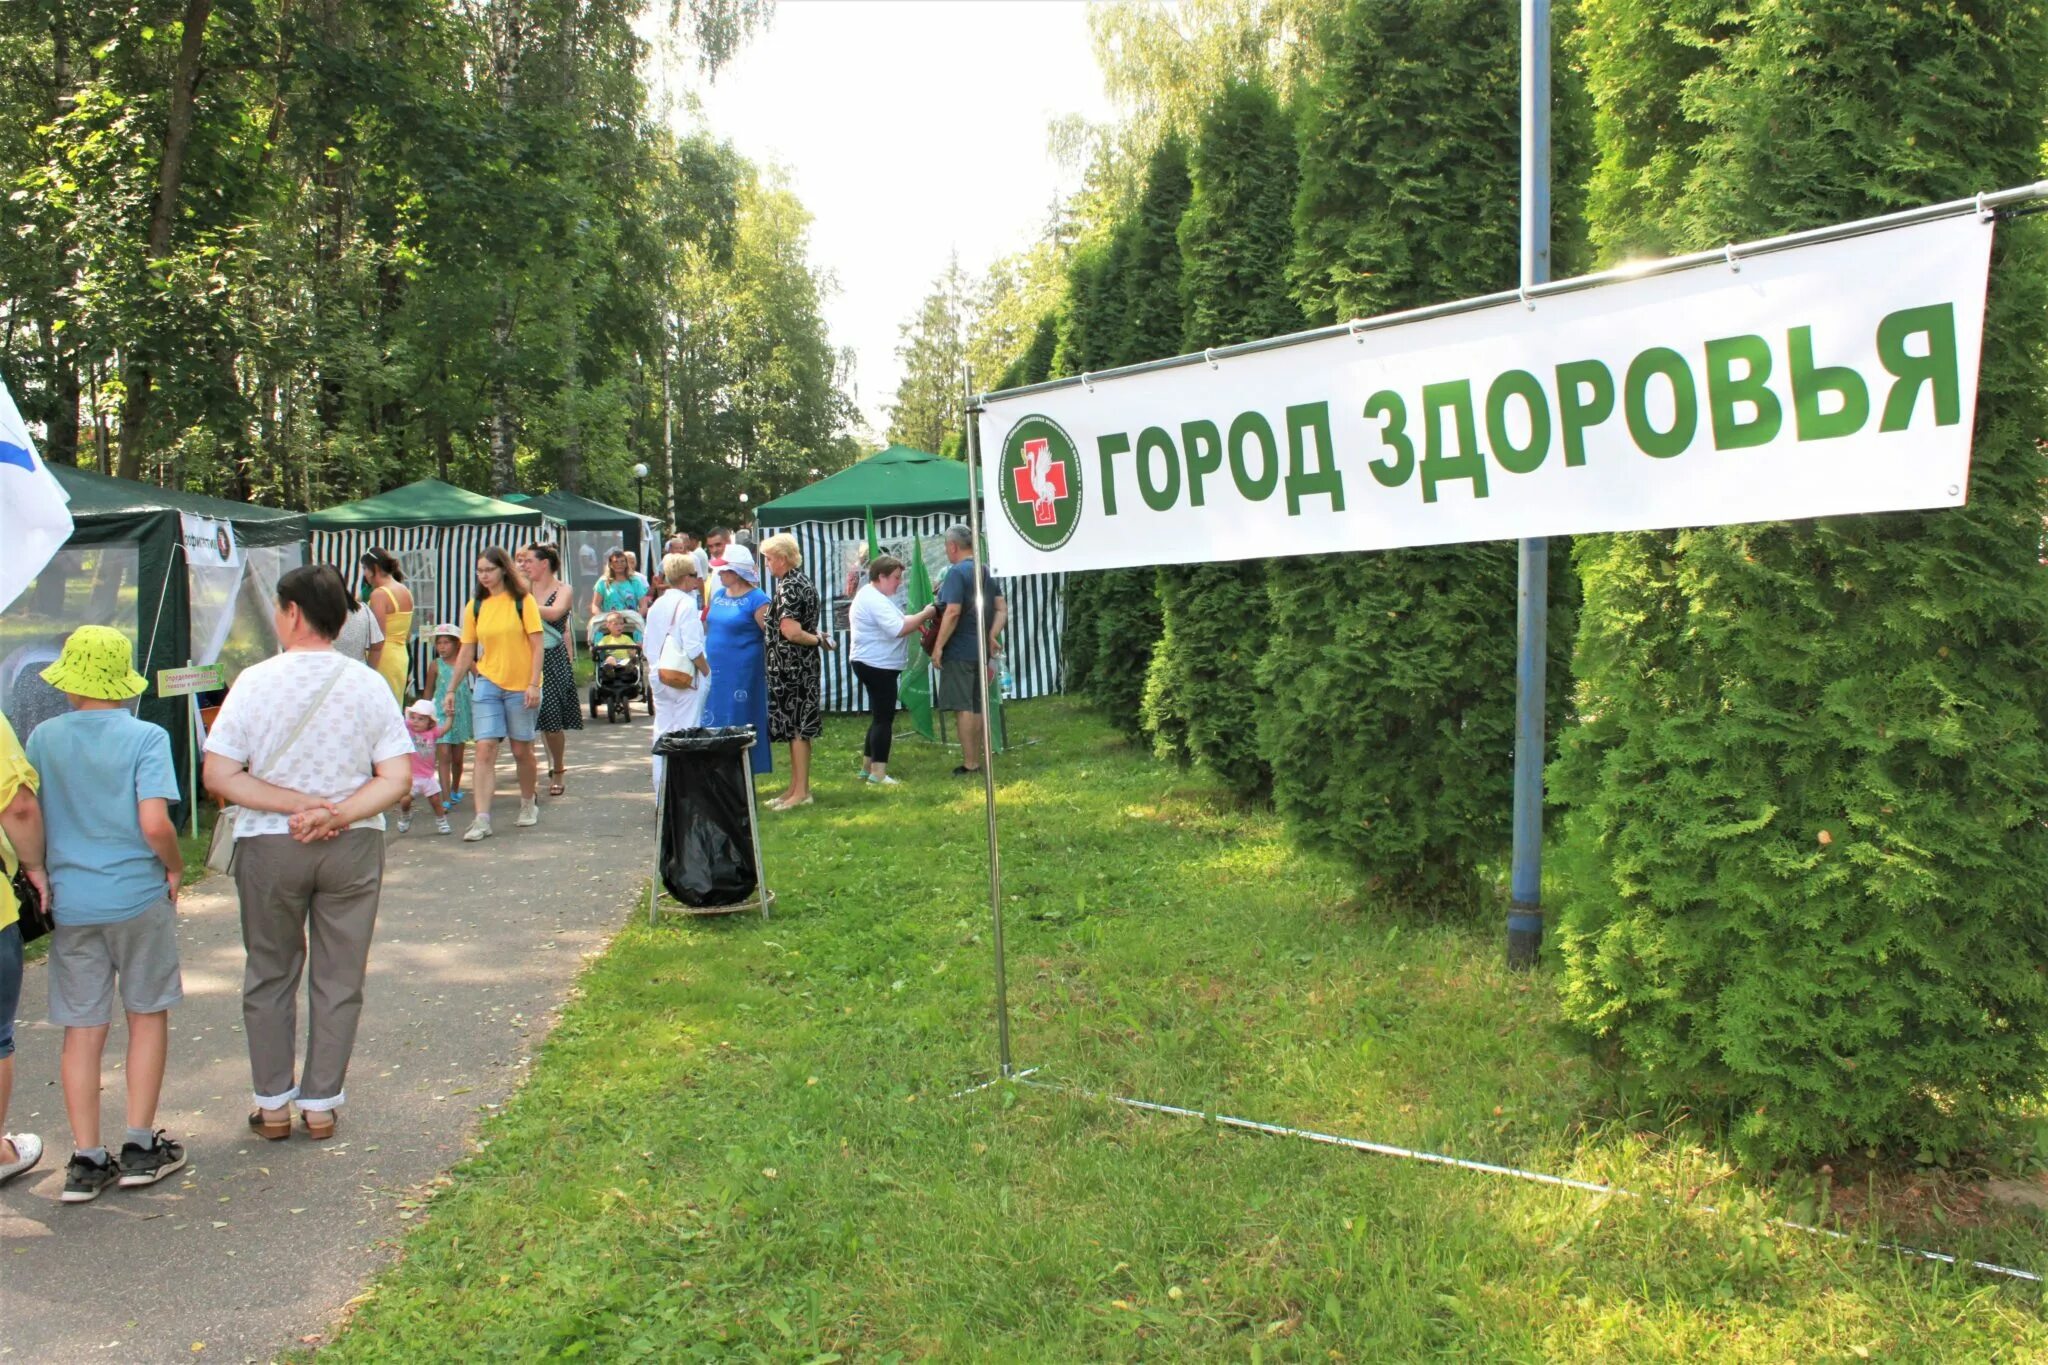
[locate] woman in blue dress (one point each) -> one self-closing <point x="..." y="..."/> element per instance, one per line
<point x="735" y="643"/>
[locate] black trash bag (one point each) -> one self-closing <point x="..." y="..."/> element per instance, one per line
<point x="707" y="845"/>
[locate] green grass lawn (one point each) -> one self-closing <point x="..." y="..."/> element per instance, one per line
<point x="738" y="1142"/>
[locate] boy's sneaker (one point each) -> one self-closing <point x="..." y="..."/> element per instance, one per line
<point x="441" y="825"/>
<point x="529" y="814"/>
<point x="83" y="1180"/>
<point x="479" y="828"/>
<point x="404" y="824"/>
<point x="146" y="1165"/>
<point x="28" y="1150"/>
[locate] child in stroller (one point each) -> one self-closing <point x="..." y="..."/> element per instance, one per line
<point x="621" y="672"/>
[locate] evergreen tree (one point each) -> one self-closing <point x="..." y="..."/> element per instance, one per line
<point x="1388" y="683"/>
<point x="930" y="409"/>
<point x="1125" y="602"/>
<point x="1809" y="790"/>
<point x="1235" y="241"/>
<point x="1087" y="329"/>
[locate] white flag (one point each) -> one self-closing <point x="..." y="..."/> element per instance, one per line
<point x="35" y="516"/>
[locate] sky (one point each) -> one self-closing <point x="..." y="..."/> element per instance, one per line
<point x="910" y="129"/>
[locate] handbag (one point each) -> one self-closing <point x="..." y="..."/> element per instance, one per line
<point x="35" y="916"/>
<point x="220" y="850"/>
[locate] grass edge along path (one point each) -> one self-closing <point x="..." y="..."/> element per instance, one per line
<point x="737" y="1144"/>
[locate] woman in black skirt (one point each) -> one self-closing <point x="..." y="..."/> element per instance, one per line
<point x="796" y="709"/>
<point x="559" y="712"/>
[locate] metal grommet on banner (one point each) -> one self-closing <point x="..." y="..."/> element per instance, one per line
<point x="1522" y="293"/>
<point x="1087" y="381"/>
<point x="1733" y="264"/>
<point x="1210" y="356"/>
<point x="1984" y="215"/>
<point x="1357" y="334"/>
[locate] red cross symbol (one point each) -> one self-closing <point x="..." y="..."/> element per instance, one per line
<point x="1041" y="481"/>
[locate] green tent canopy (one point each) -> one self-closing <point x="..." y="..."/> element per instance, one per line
<point x="126" y="565"/>
<point x="428" y="502"/>
<point x="96" y="497"/>
<point x="623" y="529"/>
<point x="901" y="480"/>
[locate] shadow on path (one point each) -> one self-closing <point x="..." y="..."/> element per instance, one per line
<point x="255" y="1245"/>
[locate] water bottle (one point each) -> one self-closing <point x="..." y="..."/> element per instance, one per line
<point x="1008" y="688"/>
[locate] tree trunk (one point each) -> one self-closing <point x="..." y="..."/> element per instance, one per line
<point x="139" y="381"/>
<point x="504" y="469"/>
<point x="507" y="38"/>
<point x="61" y="446"/>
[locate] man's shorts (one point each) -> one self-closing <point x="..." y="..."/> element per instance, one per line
<point x="498" y="714"/>
<point x="85" y="960"/>
<point x="960" y="685"/>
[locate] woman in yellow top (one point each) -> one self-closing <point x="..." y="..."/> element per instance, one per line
<point x="391" y="603"/>
<point x="501" y="645"/>
<point x="21" y="845"/>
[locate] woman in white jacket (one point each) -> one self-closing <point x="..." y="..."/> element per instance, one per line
<point x="673" y="642"/>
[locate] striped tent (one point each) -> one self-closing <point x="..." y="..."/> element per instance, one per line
<point x="436" y="531"/>
<point x="912" y="495"/>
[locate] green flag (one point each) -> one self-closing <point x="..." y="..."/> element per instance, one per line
<point x="916" y="691"/>
<point x="874" y="544"/>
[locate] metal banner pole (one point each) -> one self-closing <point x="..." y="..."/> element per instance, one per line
<point x="1532" y="569"/>
<point x="988" y="765"/>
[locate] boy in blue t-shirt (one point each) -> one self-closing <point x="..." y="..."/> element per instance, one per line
<point x="114" y="867"/>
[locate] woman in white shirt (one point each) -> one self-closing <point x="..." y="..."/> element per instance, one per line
<point x="880" y="655"/>
<point x="674" y="646"/>
<point x="314" y="751"/>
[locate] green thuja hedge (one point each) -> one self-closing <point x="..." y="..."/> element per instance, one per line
<point x="1387" y="687"/>
<point x="1235" y="241"/>
<point x="1089" y="324"/>
<point x="1808" y="793"/>
<point x="1125" y="602"/>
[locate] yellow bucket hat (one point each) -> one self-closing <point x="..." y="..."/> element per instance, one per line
<point x="97" y="662"/>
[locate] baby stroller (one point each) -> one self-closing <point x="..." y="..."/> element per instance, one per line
<point x="621" y="677"/>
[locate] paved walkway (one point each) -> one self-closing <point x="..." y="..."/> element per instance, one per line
<point x="255" y="1246"/>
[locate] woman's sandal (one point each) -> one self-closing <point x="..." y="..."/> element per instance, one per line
<point x="321" y="1131"/>
<point x="270" y="1130"/>
<point x="555" y="785"/>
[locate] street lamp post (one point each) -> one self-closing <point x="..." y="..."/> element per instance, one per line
<point x="640" y="489"/>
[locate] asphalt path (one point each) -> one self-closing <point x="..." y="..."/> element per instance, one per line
<point x="256" y="1247"/>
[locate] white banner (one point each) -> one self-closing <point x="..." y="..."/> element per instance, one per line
<point x="35" y="511"/>
<point x="1834" y="378"/>
<point x="210" y="544"/>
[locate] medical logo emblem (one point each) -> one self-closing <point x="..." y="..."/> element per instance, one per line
<point x="1039" y="482"/>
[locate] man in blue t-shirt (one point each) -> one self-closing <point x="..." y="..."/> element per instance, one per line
<point x="957" y="649"/>
<point x="114" y="866"/>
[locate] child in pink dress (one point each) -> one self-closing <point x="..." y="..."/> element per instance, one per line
<point x="426" y="780"/>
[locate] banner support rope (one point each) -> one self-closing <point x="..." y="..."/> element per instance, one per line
<point x="1494" y="1168"/>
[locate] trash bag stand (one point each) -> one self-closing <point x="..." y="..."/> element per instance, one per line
<point x="763" y="897"/>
